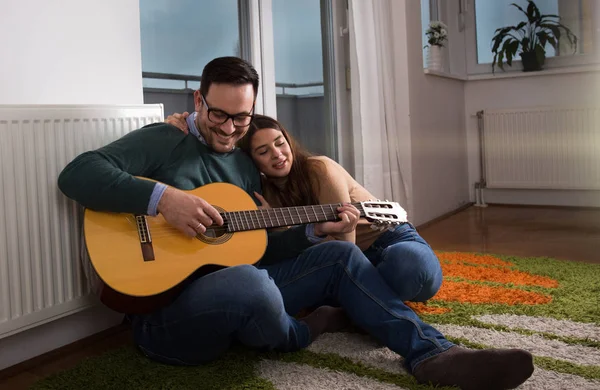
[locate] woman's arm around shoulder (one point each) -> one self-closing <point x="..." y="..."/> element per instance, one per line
<point x="331" y="186"/>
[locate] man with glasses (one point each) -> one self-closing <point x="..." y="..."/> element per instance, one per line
<point x="249" y="304"/>
<point x="203" y="316"/>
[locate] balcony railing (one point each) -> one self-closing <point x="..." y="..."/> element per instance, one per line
<point x="187" y="78"/>
<point x="307" y="128"/>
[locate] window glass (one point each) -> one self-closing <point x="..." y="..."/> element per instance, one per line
<point x="425" y="18"/>
<point x="302" y="91"/>
<point x="180" y="36"/>
<point x="491" y="15"/>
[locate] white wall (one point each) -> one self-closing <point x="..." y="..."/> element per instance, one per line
<point x="439" y="153"/>
<point x="70" y="52"/>
<point x="549" y="90"/>
<point x="67" y="52"/>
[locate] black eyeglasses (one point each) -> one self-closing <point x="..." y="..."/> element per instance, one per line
<point x="219" y="117"/>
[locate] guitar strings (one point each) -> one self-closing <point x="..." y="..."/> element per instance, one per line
<point x="249" y="219"/>
<point x="249" y="222"/>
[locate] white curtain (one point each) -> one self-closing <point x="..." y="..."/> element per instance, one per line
<point x="379" y="143"/>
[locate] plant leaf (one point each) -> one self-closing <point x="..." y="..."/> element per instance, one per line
<point x="526" y="44"/>
<point x="552" y="42"/>
<point x="533" y="12"/>
<point x="542" y="17"/>
<point x="500" y="59"/>
<point x="520" y="9"/>
<point x="514" y="47"/>
<point x="520" y="26"/>
<point x="543" y="38"/>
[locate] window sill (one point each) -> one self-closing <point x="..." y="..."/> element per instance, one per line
<point x="516" y="73"/>
<point x="546" y="72"/>
<point x="444" y="74"/>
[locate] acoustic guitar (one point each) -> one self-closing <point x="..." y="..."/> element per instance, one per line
<point x="144" y="261"/>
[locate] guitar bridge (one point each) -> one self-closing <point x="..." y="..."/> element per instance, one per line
<point x="145" y="238"/>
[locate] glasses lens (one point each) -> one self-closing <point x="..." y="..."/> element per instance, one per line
<point x="217" y="117"/>
<point x="243" y="120"/>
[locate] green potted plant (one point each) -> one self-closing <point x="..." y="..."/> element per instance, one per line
<point x="531" y="36"/>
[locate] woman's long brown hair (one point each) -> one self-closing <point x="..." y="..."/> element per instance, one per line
<point x="301" y="187"/>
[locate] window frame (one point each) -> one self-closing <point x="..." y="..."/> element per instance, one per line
<point x="567" y="61"/>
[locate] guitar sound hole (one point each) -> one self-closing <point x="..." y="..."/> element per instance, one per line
<point x="215" y="235"/>
<point x="215" y="232"/>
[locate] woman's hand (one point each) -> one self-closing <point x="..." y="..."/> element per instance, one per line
<point x="263" y="202"/>
<point x="179" y="121"/>
<point x="349" y="217"/>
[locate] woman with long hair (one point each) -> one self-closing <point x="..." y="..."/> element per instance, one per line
<point x="294" y="177"/>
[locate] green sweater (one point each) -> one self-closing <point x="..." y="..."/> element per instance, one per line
<point x="104" y="179"/>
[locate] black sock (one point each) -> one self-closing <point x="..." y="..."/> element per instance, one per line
<point x="326" y="319"/>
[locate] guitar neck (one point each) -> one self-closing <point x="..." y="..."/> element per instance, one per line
<point x="237" y="221"/>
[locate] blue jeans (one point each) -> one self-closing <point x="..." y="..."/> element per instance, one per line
<point x="407" y="263"/>
<point x="251" y="305"/>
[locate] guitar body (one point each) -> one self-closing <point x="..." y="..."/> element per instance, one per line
<point x="143" y="271"/>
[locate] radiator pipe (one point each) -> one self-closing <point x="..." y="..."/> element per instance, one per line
<point x="479" y="186"/>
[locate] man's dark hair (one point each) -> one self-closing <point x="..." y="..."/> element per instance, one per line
<point x="228" y="70"/>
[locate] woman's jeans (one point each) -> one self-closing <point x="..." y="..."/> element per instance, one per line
<point x="407" y="263"/>
<point x="252" y="305"/>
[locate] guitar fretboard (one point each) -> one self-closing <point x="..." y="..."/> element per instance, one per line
<point x="237" y="221"/>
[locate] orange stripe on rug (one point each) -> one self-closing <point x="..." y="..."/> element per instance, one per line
<point x="472" y="267"/>
<point x="466" y="266"/>
<point x="465" y="292"/>
<point x="498" y="275"/>
<point x="472" y="258"/>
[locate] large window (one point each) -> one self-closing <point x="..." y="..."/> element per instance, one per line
<point x="290" y="43"/>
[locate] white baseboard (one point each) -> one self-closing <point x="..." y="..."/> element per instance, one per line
<point x="568" y="198"/>
<point x="45" y="338"/>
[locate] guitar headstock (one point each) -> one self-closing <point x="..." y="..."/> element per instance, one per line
<point x="384" y="214"/>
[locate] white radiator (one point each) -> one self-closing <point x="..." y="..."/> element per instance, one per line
<point x="542" y="148"/>
<point x="40" y="268"/>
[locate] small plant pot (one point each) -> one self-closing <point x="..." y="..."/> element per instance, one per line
<point x="435" y="60"/>
<point x="530" y="62"/>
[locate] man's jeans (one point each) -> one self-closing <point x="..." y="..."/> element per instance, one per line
<point x="407" y="263"/>
<point x="251" y="305"/>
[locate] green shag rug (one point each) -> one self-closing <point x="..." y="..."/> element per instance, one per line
<point x="547" y="306"/>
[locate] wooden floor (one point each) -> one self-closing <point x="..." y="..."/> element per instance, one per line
<point x="570" y="234"/>
<point x="562" y="233"/>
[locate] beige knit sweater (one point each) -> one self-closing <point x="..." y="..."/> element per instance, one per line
<point x="337" y="186"/>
